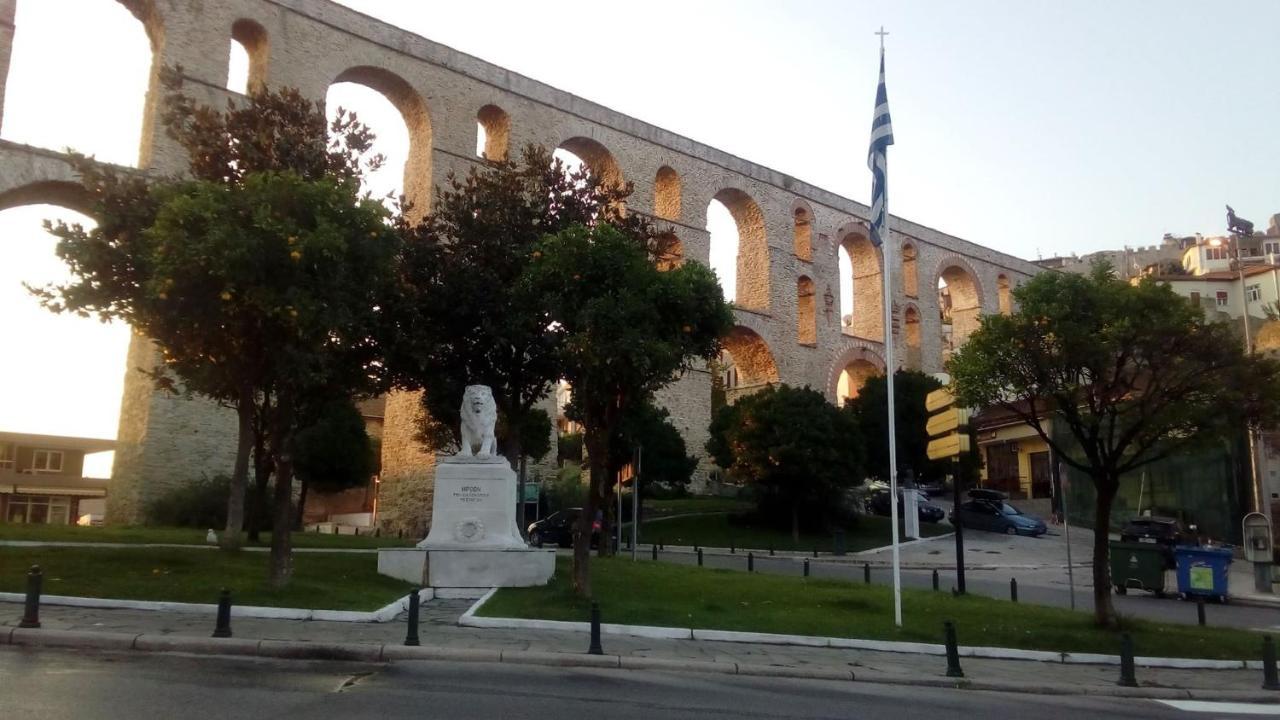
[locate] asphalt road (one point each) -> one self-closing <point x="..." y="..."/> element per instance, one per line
<point x="51" y="685"/>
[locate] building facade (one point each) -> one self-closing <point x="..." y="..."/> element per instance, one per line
<point x="42" y="479"/>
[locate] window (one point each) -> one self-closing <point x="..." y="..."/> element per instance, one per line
<point x="1195" y="299"/>
<point x="7" y="455"/>
<point x="1222" y="299"/>
<point x="1253" y="293"/>
<point x="1216" y="253"/>
<point x="39" y="510"/>
<point x="1271" y="247"/>
<point x="46" y="461"/>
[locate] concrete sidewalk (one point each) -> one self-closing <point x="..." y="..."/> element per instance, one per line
<point x="442" y="638"/>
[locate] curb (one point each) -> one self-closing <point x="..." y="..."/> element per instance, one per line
<point x="369" y="652"/>
<point x="470" y="619"/>
<point x="177" y="546"/>
<point x="386" y="613"/>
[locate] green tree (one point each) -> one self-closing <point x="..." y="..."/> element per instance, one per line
<point x="271" y="131"/>
<point x="332" y="451"/>
<point x="462" y="316"/>
<point x="798" y="450"/>
<point x="871" y="413"/>
<point x="623" y="329"/>
<point x="1132" y="373"/>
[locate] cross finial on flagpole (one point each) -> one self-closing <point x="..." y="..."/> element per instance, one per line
<point x="882" y="33"/>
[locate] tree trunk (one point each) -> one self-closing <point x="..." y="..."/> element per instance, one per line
<point x="1104" y="613"/>
<point x="258" y="498"/>
<point x="597" y="464"/>
<point x="607" y="503"/>
<point x="240" y="472"/>
<point x="302" y="504"/>
<point x="281" y="453"/>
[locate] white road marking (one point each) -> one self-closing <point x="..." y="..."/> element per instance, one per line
<point x="1222" y="708"/>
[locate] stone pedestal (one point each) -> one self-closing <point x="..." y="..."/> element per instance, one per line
<point x="474" y="541"/>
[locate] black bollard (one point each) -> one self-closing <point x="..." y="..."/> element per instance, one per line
<point x="595" y="648"/>
<point x="866" y="573"/>
<point x="222" y="627"/>
<point x="732" y="549"/>
<point x="815" y="551"/>
<point x="377" y="532"/>
<point x="411" y="635"/>
<point x="1127" y="677"/>
<point x="770" y="551"/>
<point x="654" y="551"/>
<point x="699" y="557"/>
<point x="1200" y="610"/>
<point x="31" y="610"/>
<point x="953" y="651"/>
<point x="1013" y="589"/>
<point x="806" y="567"/>
<point x="751" y="562"/>
<point x="1270" y="680"/>
<point x="935" y="579"/>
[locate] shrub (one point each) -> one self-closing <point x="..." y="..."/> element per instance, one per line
<point x="199" y="504"/>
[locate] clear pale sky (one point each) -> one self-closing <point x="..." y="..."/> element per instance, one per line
<point x="1034" y="127"/>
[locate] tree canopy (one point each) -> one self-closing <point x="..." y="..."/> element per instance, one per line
<point x="1132" y="372"/>
<point x="796" y="449"/>
<point x="870" y="410"/>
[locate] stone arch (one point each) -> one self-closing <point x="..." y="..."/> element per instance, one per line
<point x="750" y="360"/>
<point x="493" y="133"/>
<point x="867" y="284"/>
<point x="802" y="230"/>
<point x="1004" y="294"/>
<point x="252" y="39"/>
<point x="666" y="193"/>
<point x="910" y="273"/>
<point x="864" y="362"/>
<point x="912" y="336"/>
<point x="751" y="284"/>
<point x="597" y="158"/>
<point x="413" y="110"/>
<point x="959" y="301"/>
<point x="806" y="311"/>
<point x="63" y="193"/>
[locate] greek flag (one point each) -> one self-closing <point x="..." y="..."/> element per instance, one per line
<point x="881" y="139"/>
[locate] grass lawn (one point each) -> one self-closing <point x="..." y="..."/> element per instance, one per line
<point x="717" y="531"/>
<point x="180" y="536"/>
<point x="331" y="581"/>
<point x="697" y="504"/>
<point x="649" y="593"/>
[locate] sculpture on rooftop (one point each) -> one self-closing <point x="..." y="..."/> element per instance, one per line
<point x="1238" y="225"/>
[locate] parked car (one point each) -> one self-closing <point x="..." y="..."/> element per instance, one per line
<point x="1163" y="531"/>
<point x="878" y="503"/>
<point x="557" y="529"/>
<point x="998" y="516"/>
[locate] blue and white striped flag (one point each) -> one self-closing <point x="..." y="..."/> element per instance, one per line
<point x="881" y="139"/>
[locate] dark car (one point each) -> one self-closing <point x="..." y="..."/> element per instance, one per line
<point x="998" y="516"/>
<point x="1163" y="531"/>
<point x="878" y="503"/>
<point x="557" y="529"/>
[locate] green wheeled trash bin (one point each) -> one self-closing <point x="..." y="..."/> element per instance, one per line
<point x="1140" y="566"/>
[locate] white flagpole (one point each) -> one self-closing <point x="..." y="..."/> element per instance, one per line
<point x="887" y="248"/>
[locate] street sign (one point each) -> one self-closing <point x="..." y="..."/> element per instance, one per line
<point x="951" y="419"/>
<point x="948" y="446"/>
<point x="938" y="399"/>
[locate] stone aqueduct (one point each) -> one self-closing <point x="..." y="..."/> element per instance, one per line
<point x="789" y="327"/>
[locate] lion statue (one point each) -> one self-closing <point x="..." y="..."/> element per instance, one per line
<point x="479" y="414"/>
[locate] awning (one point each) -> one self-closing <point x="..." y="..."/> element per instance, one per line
<point x="51" y="490"/>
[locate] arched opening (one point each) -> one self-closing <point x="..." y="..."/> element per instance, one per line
<point x="739" y="249"/>
<point x="584" y="152"/>
<point x="398" y="117"/>
<point x="747" y="363"/>
<point x="247" y="65"/>
<point x="666" y="194"/>
<point x="493" y="130"/>
<point x="57" y="97"/>
<point x="861" y="265"/>
<point x="959" y="305"/>
<point x="806" y="315"/>
<point x="802" y="238"/>
<point x="1004" y="293"/>
<point x="910" y="276"/>
<point x="911" y="323"/>
<point x="670" y="251"/>
<point x="852" y="378"/>
<point x="65" y="373"/>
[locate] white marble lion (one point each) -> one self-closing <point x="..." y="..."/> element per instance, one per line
<point x="479" y="415"/>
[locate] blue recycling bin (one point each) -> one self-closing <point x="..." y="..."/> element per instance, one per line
<point x="1202" y="571"/>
